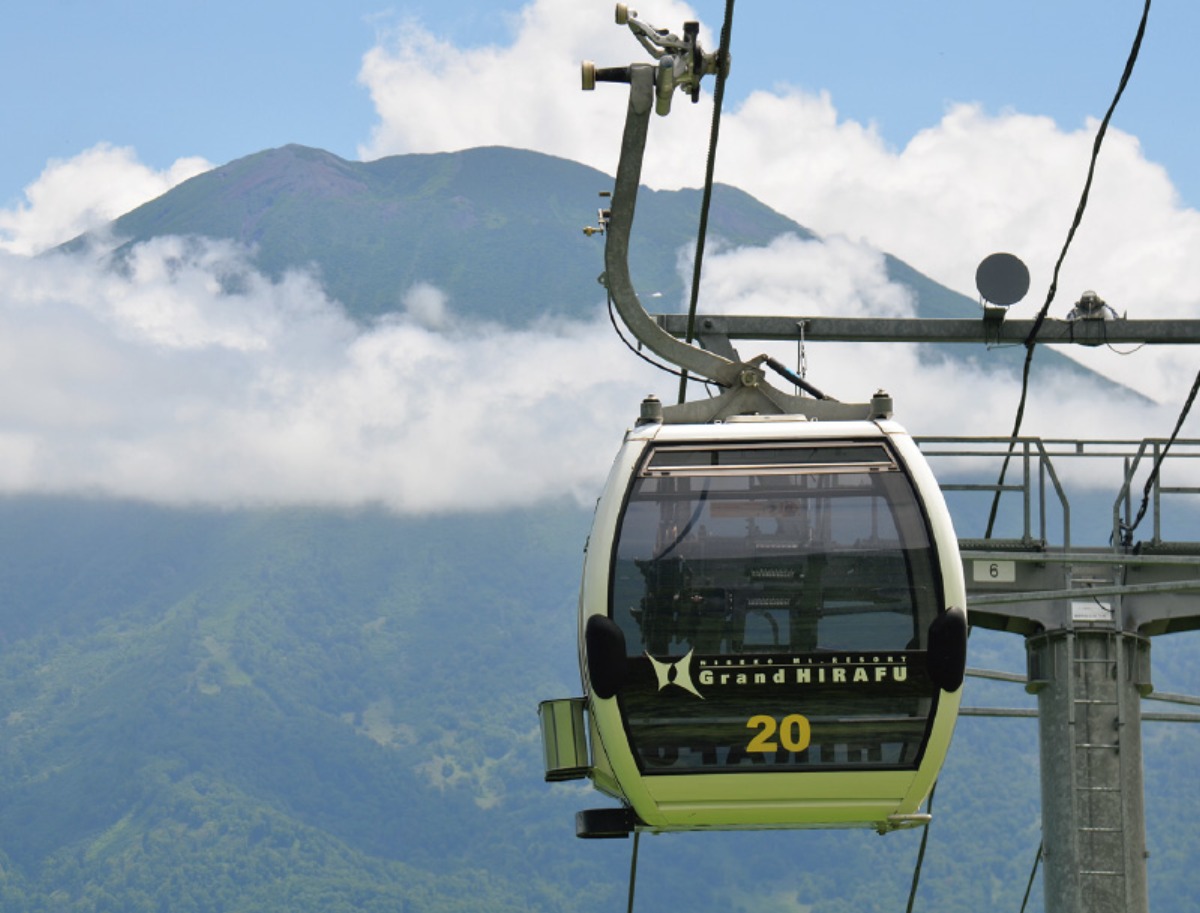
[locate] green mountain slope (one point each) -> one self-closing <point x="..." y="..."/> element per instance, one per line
<point x="319" y="711"/>
<point x="241" y="700"/>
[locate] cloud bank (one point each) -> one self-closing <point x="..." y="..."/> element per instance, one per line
<point x="161" y="383"/>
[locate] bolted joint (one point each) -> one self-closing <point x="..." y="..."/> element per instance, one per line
<point x="750" y="377"/>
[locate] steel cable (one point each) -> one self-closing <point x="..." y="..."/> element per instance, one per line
<point x="1031" y="339"/>
<point x="706" y="199"/>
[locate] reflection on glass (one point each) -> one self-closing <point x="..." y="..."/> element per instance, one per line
<point x="775" y="583"/>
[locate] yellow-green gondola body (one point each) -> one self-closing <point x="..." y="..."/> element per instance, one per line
<point x="772" y="628"/>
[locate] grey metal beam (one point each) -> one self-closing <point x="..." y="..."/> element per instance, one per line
<point x="1035" y="589"/>
<point x="1171" y="717"/>
<point x="940" y="329"/>
<point x="1088" y="592"/>
<point x="616" y="248"/>
<point x="999" y="676"/>
<point x="1170" y="698"/>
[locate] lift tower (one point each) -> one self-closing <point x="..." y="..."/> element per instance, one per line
<point x="1087" y="613"/>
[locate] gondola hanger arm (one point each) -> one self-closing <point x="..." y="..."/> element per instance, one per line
<point x="681" y="64"/>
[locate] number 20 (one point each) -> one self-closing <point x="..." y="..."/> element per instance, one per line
<point x="795" y="733"/>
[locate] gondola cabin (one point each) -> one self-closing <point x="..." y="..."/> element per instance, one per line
<point x="772" y="631"/>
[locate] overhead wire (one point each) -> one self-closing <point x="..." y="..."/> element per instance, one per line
<point x="1032" y="874"/>
<point x="612" y="317"/>
<point x="710" y="167"/>
<point x="1127" y="531"/>
<point x="1031" y="338"/>
<point x="916" y="879"/>
<point x="1031" y="342"/>
<point x="633" y="870"/>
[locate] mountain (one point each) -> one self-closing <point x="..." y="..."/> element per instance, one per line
<point x="325" y="711"/>
<point x="276" y="710"/>
<point x="499" y="230"/>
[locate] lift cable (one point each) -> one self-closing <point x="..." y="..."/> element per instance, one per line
<point x="706" y="199"/>
<point x="612" y="318"/>
<point x="1127" y="531"/>
<point x="916" y="879"/>
<point x="1033" y="874"/>
<point x="1030" y="340"/>
<point x="633" y="860"/>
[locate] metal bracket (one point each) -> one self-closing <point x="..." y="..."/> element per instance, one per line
<point x="746" y="390"/>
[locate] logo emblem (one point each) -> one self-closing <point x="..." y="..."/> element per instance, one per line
<point x="678" y="673"/>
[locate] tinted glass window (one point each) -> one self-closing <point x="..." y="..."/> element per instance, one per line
<point x="774" y="603"/>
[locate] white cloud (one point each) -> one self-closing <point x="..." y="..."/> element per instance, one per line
<point x="832" y="277"/>
<point x="191" y="378"/>
<point x="86" y="192"/>
<point x="434" y="97"/>
<point x="166" y="381"/>
<point x="426" y="304"/>
<point x="975" y="184"/>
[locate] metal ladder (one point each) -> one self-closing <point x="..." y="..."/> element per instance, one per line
<point x="1096" y="720"/>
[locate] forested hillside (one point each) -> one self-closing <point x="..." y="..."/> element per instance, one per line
<point x="302" y="710"/>
<point x="289" y="710"/>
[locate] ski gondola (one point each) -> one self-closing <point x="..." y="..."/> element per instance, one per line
<point x="772" y="621"/>
<point x="772" y="629"/>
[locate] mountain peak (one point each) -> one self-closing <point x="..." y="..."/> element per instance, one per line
<point x="497" y="229"/>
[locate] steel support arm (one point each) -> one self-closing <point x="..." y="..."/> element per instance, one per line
<point x="941" y="329"/>
<point x="616" y="252"/>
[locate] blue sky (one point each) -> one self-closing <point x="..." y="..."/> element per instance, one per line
<point x="936" y="131"/>
<point x="175" y="78"/>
